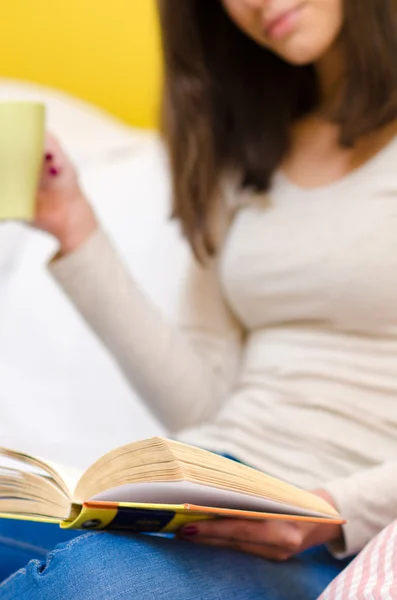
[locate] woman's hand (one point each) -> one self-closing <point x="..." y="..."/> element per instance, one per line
<point x="62" y="209"/>
<point x="273" y="540"/>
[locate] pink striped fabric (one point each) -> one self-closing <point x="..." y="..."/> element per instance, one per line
<point x="372" y="575"/>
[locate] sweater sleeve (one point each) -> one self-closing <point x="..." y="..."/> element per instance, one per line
<point x="368" y="501"/>
<point x="183" y="373"/>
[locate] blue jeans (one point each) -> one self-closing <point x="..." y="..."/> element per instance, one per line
<point x="104" y="566"/>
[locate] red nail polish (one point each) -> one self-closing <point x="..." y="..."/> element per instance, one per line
<point x="54" y="171"/>
<point x="190" y="530"/>
<point x="49" y="156"/>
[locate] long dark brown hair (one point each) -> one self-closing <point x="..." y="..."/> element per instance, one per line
<point x="229" y="103"/>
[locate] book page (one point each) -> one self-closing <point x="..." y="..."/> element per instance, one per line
<point x="65" y="477"/>
<point x="16" y="465"/>
<point x="161" y="460"/>
<point x="182" y="492"/>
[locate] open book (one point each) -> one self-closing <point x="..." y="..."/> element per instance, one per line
<point x="149" y="486"/>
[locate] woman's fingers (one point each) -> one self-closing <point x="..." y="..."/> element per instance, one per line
<point x="275" y="540"/>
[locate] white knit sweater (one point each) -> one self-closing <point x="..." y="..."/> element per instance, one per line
<point x="286" y="351"/>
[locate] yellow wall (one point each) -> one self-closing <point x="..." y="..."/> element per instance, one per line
<point x="105" y="51"/>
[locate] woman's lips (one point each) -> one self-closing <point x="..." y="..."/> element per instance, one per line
<point x="283" y="24"/>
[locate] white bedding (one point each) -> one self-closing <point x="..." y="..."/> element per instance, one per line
<point x="61" y="395"/>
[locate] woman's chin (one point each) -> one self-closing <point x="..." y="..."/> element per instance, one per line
<point x="298" y="55"/>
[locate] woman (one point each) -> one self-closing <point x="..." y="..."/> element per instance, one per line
<point x="281" y="119"/>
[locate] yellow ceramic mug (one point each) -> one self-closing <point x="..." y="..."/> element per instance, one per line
<point x="22" y="131"/>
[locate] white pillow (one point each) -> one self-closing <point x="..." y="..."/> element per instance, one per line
<point x="62" y="395"/>
<point x="88" y="133"/>
<point x="373" y="573"/>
